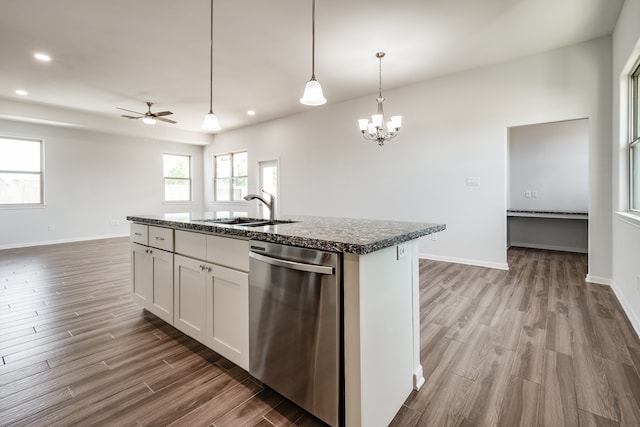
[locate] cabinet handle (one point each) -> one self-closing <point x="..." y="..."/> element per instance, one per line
<point x="150" y="251"/>
<point x="209" y="269"/>
<point x="138" y="234"/>
<point x="159" y="238"/>
<point x="201" y="267"/>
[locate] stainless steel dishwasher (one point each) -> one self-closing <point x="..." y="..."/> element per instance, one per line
<point x="295" y="304"/>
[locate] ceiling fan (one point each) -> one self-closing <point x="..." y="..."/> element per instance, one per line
<point x="149" y="117"/>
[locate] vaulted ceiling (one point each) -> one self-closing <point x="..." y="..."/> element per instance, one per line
<point x="122" y="53"/>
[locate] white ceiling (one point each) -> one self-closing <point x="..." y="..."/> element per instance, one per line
<point x="122" y="53"/>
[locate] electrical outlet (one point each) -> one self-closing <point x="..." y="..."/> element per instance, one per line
<point x="434" y="237"/>
<point x="402" y="251"/>
<point x="534" y="194"/>
<point x="527" y="194"/>
<point x="52" y="227"/>
<point x="472" y="181"/>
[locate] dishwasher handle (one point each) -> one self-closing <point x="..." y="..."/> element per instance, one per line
<point x="311" y="268"/>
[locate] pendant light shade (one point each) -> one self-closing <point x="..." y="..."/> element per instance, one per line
<point x="210" y="120"/>
<point x="313" y="91"/>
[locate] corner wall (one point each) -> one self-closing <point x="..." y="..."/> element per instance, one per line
<point x="93" y="181"/>
<point x="626" y="229"/>
<point x="453" y="127"/>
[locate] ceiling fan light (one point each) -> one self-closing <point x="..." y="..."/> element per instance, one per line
<point x="211" y="123"/>
<point x="313" y="94"/>
<point x="149" y="120"/>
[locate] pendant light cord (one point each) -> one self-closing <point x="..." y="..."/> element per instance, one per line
<point x="313" y="39"/>
<point x="211" y="65"/>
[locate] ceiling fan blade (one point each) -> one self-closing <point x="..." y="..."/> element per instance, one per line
<point x="131" y="111"/>
<point x="163" y="113"/>
<point x="162" y="119"/>
<point x="130" y="117"/>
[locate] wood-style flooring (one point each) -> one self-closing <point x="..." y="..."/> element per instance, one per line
<point x="534" y="346"/>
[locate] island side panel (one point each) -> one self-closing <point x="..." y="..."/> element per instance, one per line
<point x="379" y="334"/>
<point x="418" y="373"/>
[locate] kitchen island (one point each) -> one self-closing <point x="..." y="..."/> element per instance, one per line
<point x="379" y="281"/>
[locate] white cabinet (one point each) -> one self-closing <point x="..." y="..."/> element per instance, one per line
<point x="189" y="298"/>
<point x="152" y="269"/>
<point x="228" y="314"/>
<point x="211" y="300"/>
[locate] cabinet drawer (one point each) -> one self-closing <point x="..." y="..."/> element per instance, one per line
<point x="229" y="252"/>
<point x="191" y="244"/>
<point x="139" y="233"/>
<point x="161" y="238"/>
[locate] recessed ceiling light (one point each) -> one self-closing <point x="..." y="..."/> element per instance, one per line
<point x="21" y="92"/>
<point x="251" y="113"/>
<point x="42" y="57"/>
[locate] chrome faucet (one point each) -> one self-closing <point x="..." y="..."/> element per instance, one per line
<point x="271" y="204"/>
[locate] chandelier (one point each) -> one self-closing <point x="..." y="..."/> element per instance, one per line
<point x="378" y="129"/>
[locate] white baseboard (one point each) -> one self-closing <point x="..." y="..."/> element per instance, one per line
<point x="633" y="318"/>
<point x="598" y="280"/>
<point x="576" y="249"/>
<point x="418" y="378"/>
<point x="479" y="263"/>
<point x="56" y="242"/>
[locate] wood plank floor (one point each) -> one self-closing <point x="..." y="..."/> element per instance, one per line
<point x="534" y="346"/>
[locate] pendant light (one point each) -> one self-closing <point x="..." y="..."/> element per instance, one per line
<point x="378" y="129"/>
<point x="313" y="91"/>
<point x="210" y="120"/>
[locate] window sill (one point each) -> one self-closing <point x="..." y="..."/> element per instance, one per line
<point x="177" y="202"/>
<point x="25" y="206"/>
<point x="630" y="218"/>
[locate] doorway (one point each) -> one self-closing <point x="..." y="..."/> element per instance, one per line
<point x="548" y="186"/>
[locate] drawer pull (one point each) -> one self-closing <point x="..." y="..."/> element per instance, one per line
<point x="138" y="234"/>
<point x="159" y="238"/>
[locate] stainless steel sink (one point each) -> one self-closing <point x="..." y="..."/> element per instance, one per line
<point x="247" y="222"/>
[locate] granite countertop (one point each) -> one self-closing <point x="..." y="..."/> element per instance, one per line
<point x="548" y="214"/>
<point x="358" y="236"/>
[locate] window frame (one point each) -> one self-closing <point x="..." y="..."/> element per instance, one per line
<point x="41" y="201"/>
<point x="231" y="177"/>
<point x="634" y="136"/>
<point x="189" y="179"/>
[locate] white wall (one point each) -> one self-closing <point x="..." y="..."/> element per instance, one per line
<point x="92" y="182"/>
<point x="626" y="230"/>
<point x="551" y="159"/>
<point x="454" y="127"/>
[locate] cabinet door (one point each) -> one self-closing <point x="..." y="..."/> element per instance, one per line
<point x="189" y="298"/>
<point x="162" y="301"/>
<point x="228" y="314"/>
<point x="142" y="274"/>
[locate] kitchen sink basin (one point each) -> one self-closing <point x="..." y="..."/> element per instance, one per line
<point x="247" y="222"/>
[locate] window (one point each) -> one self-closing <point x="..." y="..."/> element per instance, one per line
<point x="634" y="141"/>
<point x="21" y="178"/>
<point x="230" y="176"/>
<point x="177" y="178"/>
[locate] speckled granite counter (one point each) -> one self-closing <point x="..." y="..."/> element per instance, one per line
<point x="358" y="236"/>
